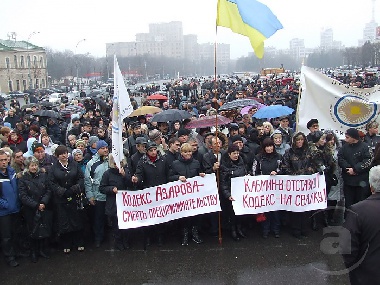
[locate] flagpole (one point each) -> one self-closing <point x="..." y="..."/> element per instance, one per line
<point x="220" y="239"/>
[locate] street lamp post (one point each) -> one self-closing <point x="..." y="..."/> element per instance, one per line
<point x="29" y="59"/>
<point x="108" y="71"/>
<point x="76" y="61"/>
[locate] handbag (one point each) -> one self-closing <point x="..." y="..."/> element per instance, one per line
<point x="42" y="227"/>
<point x="82" y="201"/>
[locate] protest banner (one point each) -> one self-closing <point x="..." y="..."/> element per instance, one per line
<point x="163" y="203"/>
<point x="266" y="193"/>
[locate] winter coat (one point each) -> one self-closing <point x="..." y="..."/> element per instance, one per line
<point x="135" y="160"/>
<point x="359" y="157"/>
<point x="47" y="162"/>
<point x="209" y="159"/>
<point x="12" y="120"/>
<point x="298" y="161"/>
<point x="95" y="169"/>
<point x="18" y="144"/>
<point x="34" y="191"/>
<point x="228" y="170"/>
<point x="322" y="157"/>
<point x="61" y="181"/>
<point x="171" y="157"/>
<point x="150" y="173"/>
<point x="181" y="167"/>
<point x="9" y="198"/>
<point x="54" y="132"/>
<point x="112" y="178"/>
<point x="371" y="140"/>
<point x="361" y="243"/>
<point x="266" y="163"/>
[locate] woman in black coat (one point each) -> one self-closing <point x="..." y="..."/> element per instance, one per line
<point x="268" y="163"/>
<point x="231" y="165"/>
<point x="187" y="167"/>
<point x="66" y="181"/>
<point x="112" y="181"/>
<point x="297" y="160"/>
<point x="35" y="196"/>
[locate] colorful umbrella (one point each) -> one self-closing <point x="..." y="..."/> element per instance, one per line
<point x="156" y="96"/>
<point x="144" y="110"/>
<point x="273" y="111"/>
<point x="208" y="121"/>
<point x="245" y="110"/>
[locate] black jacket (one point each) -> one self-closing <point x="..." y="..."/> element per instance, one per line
<point x="359" y="157"/>
<point x="61" y="181"/>
<point x="361" y="244"/>
<point x="110" y="179"/>
<point x="371" y="140"/>
<point x="171" y="157"/>
<point x="34" y="190"/>
<point x="188" y="168"/>
<point x="228" y="170"/>
<point x="135" y="160"/>
<point x="209" y="159"/>
<point x="150" y="173"/>
<point x="267" y="163"/>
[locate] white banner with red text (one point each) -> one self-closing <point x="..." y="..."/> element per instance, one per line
<point x="167" y="202"/>
<point x="266" y="193"/>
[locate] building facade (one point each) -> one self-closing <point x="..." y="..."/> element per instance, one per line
<point x="22" y="66"/>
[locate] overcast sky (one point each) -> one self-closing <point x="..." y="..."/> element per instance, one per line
<point x="63" y="24"/>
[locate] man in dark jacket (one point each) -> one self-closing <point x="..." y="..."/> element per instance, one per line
<point x="172" y="153"/>
<point x="9" y="208"/>
<point x="355" y="159"/>
<point x="361" y="243"/>
<point x="12" y="118"/>
<point x="135" y="158"/>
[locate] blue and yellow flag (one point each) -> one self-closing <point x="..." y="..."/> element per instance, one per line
<point x="249" y="18"/>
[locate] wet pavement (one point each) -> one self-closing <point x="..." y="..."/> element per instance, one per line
<point x="253" y="260"/>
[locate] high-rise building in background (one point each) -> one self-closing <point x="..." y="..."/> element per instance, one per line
<point x="165" y="39"/>
<point x="370" y="29"/>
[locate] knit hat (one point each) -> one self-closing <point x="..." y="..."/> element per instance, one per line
<point x="311" y="122"/>
<point x="37" y="146"/>
<point x="315" y="136"/>
<point x="154" y="134"/>
<point x="236" y="138"/>
<point x="353" y="133"/>
<point x="183" y="132"/>
<point x="92" y="140"/>
<point x="78" y="142"/>
<point x="76" y="151"/>
<point x="100" y="144"/>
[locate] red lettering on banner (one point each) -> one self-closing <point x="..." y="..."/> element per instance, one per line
<point x="307" y="199"/>
<point x="132" y="216"/>
<point x="263" y="185"/>
<point x="258" y="201"/>
<point x="136" y="200"/>
<point x="176" y="190"/>
<point x="286" y="199"/>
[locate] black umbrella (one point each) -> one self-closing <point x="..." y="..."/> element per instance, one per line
<point x="47" y="104"/>
<point x="171" y="115"/>
<point x="29" y="106"/>
<point x="238" y="103"/>
<point x="48" y="113"/>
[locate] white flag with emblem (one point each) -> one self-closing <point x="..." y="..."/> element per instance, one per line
<point x="121" y="109"/>
<point x="337" y="106"/>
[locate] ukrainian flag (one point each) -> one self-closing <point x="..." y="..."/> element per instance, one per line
<point x="249" y="18"/>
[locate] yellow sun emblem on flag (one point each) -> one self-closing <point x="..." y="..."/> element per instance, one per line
<point x="354" y="111"/>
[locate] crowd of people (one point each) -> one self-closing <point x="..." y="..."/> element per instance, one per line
<point x="63" y="173"/>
